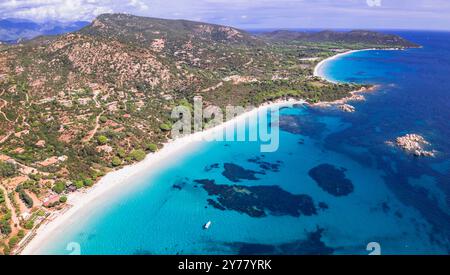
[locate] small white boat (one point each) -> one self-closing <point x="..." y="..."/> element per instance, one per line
<point x="207" y="225"/>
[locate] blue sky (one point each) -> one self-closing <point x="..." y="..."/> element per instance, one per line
<point x="250" y="14"/>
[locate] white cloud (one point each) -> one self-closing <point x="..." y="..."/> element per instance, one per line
<point x="66" y="10"/>
<point x="249" y="13"/>
<point x="139" y="5"/>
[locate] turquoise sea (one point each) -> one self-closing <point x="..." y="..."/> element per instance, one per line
<point x="333" y="187"/>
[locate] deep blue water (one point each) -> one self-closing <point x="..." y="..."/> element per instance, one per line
<point x="333" y="186"/>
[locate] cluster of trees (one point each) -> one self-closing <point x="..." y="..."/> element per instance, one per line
<point x="312" y="92"/>
<point x="5" y="216"/>
<point x="138" y="154"/>
<point x="62" y="199"/>
<point x="134" y="155"/>
<point x="5" y="227"/>
<point x="13" y="241"/>
<point x="165" y="127"/>
<point x="59" y="187"/>
<point x="102" y="139"/>
<point x="7" y="169"/>
<point x="116" y="161"/>
<point x="27" y="200"/>
<point x="152" y="147"/>
<point x="2" y="197"/>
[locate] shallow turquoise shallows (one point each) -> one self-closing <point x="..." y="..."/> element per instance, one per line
<point x="333" y="187"/>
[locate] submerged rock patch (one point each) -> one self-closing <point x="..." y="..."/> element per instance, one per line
<point x="301" y="125"/>
<point x="211" y="167"/>
<point x="332" y="180"/>
<point x="236" y="173"/>
<point x="180" y="184"/>
<point x="265" y="165"/>
<point x="258" y="201"/>
<point x="323" y="206"/>
<point x="312" y="245"/>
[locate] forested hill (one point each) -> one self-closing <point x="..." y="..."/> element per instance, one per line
<point x="351" y="37"/>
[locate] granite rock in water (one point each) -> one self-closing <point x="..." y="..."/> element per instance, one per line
<point x="347" y="108"/>
<point x="305" y="125"/>
<point x="415" y="144"/>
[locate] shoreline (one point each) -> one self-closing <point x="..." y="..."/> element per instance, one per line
<point x="318" y="69"/>
<point x="83" y="198"/>
<point x="354" y="95"/>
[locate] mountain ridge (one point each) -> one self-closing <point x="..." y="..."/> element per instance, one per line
<point x="352" y="36"/>
<point x="13" y="30"/>
<point x="151" y="28"/>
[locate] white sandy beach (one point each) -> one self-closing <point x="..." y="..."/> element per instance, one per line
<point x="171" y="150"/>
<point x="318" y="70"/>
<point x="354" y="95"/>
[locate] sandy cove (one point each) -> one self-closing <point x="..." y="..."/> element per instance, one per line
<point x="171" y="150"/>
<point x="318" y="70"/>
<point x="319" y="67"/>
<point x="354" y="95"/>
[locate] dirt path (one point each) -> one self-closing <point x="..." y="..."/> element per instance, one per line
<point x="92" y="133"/>
<point x="212" y="88"/>
<point x="97" y="104"/>
<point x="248" y="63"/>
<point x="5" y="103"/>
<point x="5" y="138"/>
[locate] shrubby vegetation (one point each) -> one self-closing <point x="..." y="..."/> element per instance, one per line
<point x="88" y="182"/>
<point x="116" y="161"/>
<point x="5" y="216"/>
<point x="7" y="169"/>
<point x="79" y="184"/>
<point x="165" y="127"/>
<point x="59" y="187"/>
<point x="102" y="139"/>
<point x="138" y="155"/>
<point x="152" y="147"/>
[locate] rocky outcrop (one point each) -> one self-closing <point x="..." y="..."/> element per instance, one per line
<point x="347" y="108"/>
<point x="415" y="144"/>
<point x="342" y="104"/>
<point x="237" y="79"/>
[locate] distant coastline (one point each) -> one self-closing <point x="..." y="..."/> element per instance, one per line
<point x="354" y="95"/>
<point x="319" y="69"/>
